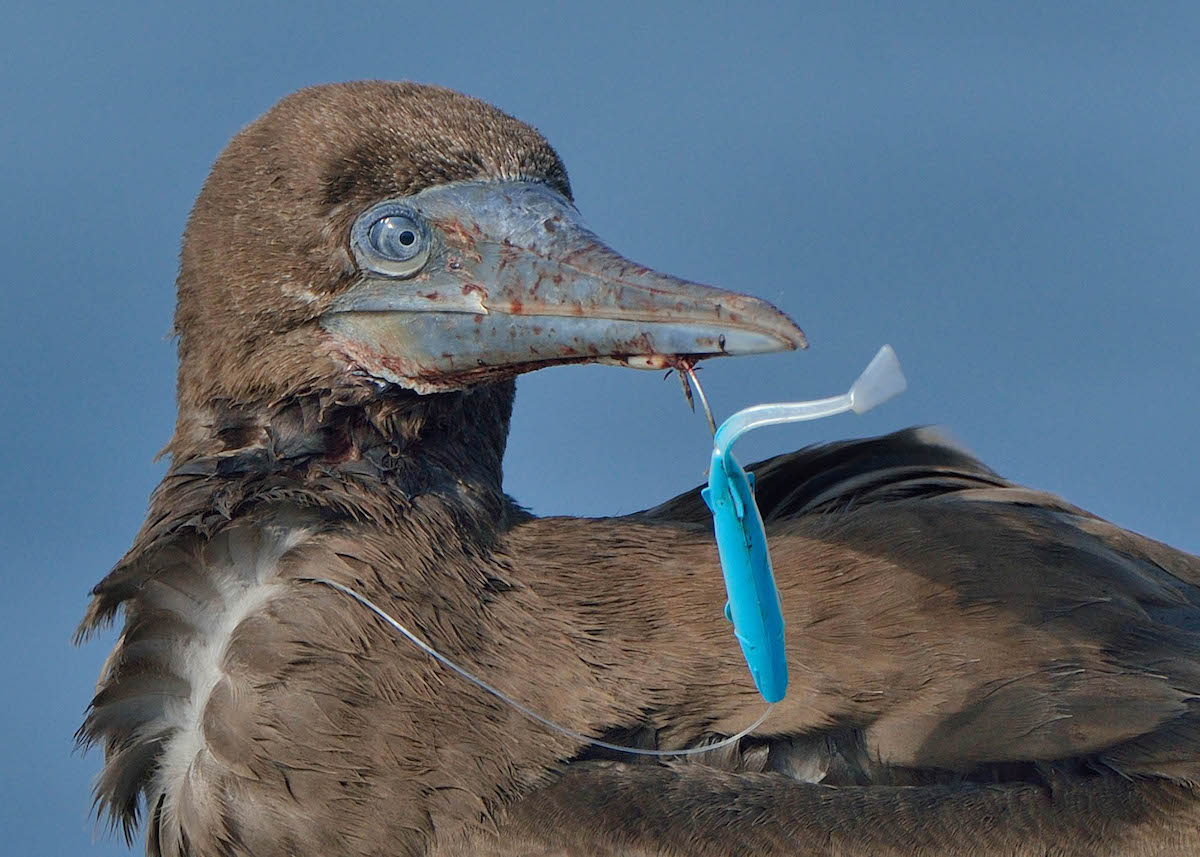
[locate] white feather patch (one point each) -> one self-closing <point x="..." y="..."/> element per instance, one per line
<point x="241" y="567"/>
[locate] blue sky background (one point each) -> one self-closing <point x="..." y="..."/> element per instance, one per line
<point x="1009" y="193"/>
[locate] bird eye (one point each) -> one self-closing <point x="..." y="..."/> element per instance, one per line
<point x="394" y="237"/>
<point x="390" y="240"/>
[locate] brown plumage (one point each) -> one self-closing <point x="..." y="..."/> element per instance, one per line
<point x="977" y="668"/>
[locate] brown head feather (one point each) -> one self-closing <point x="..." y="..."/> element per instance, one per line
<point x="266" y="248"/>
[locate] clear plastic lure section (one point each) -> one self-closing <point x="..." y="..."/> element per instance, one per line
<point x="880" y="381"/>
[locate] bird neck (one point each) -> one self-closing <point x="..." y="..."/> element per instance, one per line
<point x="380" y="449"/>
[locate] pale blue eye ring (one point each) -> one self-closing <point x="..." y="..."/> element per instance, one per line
<point x="390" y="239"/>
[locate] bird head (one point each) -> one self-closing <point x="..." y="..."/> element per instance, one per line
<point x="394" y="235"/>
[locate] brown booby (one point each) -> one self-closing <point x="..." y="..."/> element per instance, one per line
<point x="976" y="667"/>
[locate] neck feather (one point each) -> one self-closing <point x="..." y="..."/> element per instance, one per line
<point x="390" y="460"/>
<point x="400" y="440"/>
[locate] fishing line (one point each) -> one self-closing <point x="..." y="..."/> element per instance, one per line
<point x="753" y="606"/>
<point x="528" y="712"/>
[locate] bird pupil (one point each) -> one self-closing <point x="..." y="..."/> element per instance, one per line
<point x="407" y="237"/>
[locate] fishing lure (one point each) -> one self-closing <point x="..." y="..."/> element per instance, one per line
<point x="753" y="606"/>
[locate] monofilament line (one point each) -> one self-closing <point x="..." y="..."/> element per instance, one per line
<point x="532" y="715"/>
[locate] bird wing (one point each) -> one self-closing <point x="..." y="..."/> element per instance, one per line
<point x="608" y="809"/>
<point x="943" y="619"/>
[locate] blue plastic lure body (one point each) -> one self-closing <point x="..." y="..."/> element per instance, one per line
<point x="753" y="606"/>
